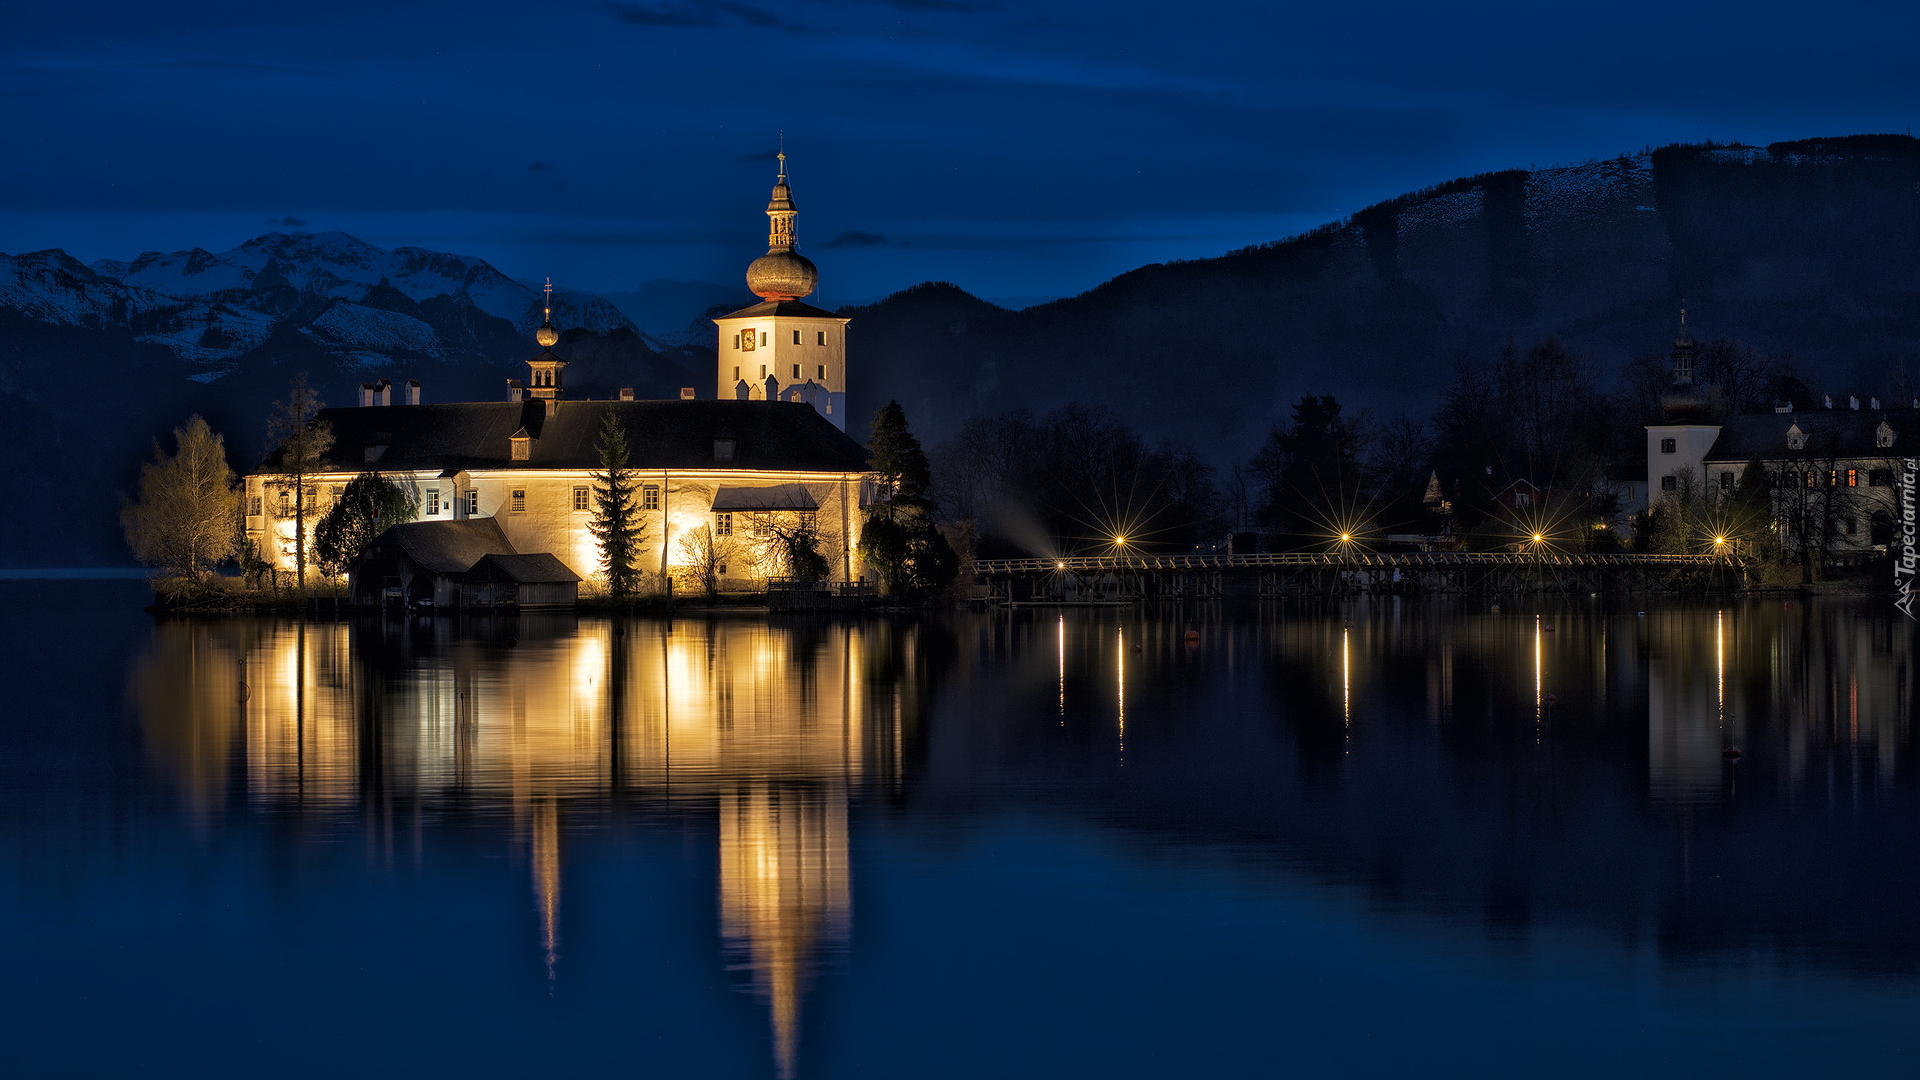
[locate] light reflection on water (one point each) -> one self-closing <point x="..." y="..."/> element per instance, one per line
<point x="1456" y="773"/>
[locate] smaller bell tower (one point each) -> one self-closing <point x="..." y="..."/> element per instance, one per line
<point x="544" y="381"/>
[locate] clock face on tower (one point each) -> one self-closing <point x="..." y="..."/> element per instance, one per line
<point x="749" y="339"/>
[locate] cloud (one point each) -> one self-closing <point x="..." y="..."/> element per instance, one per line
<point x="288" y="222"/>
<point x="856" y="238"/>
<point x="679" y="14"/>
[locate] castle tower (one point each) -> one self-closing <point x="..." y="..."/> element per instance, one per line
<point x="782" y="347"/>
<point x="1677" y="446"/>
<point x="544" y="380"/>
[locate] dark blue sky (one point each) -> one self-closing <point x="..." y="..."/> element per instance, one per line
<point x="1023" y="149"/>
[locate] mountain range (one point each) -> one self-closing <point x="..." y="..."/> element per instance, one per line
<point x="1809" y="248"/>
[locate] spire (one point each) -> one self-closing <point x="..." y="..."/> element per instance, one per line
<point x="782" y="273"/>
<point x="1682" y="352"/>
<point x="547" y="336"/>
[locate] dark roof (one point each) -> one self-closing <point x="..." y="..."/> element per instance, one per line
<point x="771" y="497"/>
<point x="1830" y="433"/>
<point x="767" y="308"/>
<point x="767" y="435"/>
<point x="525" y="569"/>
<point x="446" y="547"/>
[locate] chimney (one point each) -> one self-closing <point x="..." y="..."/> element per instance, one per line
<point x="1853" y="402"/>
<point x="686" y="393"/>
<point x="1829" y="401"/>
<point x="1783" y="407"/>
<point x="366" y="395"/>
<point x="626" y="393"/>
<point x="413" y="391"/>
<point x="383" y="392"/>
<point x="1873" y="403"/>
<point x="513" y="389"/>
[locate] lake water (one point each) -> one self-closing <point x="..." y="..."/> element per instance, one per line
<point x="1372" y="840"/>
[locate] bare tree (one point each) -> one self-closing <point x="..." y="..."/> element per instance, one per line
<point x="183" y="521"/>
<point x="707" y="557"/>
<point x="300" y="449"/>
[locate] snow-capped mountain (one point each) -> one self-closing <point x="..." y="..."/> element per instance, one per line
<point x="361" y="305"/>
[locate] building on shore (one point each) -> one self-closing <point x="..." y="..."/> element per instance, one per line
<point x="717" y="480"/>
<point x="1828" y="474"/>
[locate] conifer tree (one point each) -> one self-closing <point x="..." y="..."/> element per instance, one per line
<point x="616" y="524"/>
<point x="899" y="539"/>
<point x="301" y="444"/>
<point x="183" y="521"/>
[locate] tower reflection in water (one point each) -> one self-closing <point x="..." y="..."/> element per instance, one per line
<point x="773" y="730"/>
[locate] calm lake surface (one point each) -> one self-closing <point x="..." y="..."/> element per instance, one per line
<point x="1381" y="839"/>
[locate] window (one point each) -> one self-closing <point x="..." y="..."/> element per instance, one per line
<point x="723" y="449"/>
<point x="1812" y="478"/>
<point x="286" y="503"/>
<point x="1833" y="477"/>
<point x="809" y="519"/>
<point x="1853" y="477"/>
<point x="763" y="372"/>
<point x="763" y="337"/>
<point x="796" y="372"/>
<point x="822" y="340"/>
<point x="1668" y="446"/>
<point x="517" y="500"/>
<point x="473" y="501"/>
<point x="796" y="337"/>
<point x="433" y="501"/>
<point x="1726" y="480"/>
<point x="721" y="569"/>
<point x="823" y="373"/>
<point x="1523" y="498"/>
<point x="650" y="497"/>
<point x="1879" y="477"/>
<point x="1846" y="526"/>
<point x="1668" y="483"/>
<point x="723" y="524"/>
<point x="736" y="343"/>
<point x="253" y="506"/>
<point x="581" y="501"/>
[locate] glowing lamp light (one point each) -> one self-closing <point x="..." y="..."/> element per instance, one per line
<point x="1060" y="565"/>
<point x="1539" y="537"/>
<point x="1120" y="540"/>
<point x="1719" y="541"/>
<point x="1346" y="538"/>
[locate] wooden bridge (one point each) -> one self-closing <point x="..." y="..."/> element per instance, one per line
<point x="1335" y="574"/>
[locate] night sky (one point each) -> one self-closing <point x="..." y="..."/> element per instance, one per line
<point x="1020" y="150"/>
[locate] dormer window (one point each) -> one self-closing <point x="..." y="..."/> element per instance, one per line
<point x="1883" y="435"/>
<point x="522" y="445"/>
<point x="1796" y="439"/>
<point x="723" y="449"/>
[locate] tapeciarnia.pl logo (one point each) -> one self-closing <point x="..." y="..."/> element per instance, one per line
<point x="1909" y="543"/>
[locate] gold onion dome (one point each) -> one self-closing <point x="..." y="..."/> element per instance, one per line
<point x="547" y="336"/>
<point x="782" y="273"/>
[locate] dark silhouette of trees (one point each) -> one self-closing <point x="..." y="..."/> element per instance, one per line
<point x="898" y="538"/>
<point x="369" y="505"/>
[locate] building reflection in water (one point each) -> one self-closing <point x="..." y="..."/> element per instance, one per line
<point x="771" y="730"/>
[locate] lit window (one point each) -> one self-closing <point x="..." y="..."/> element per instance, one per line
<point x="286" y="503"/>
<point x="1812" y="478"/>
<point x="1853" y="477"/>
<point x="433" y="501"/>
<point x="580" y="498"/>
<point x="1668" y="483"/>
<point x="473" y="501"/>
<point x="253" y="506"/>
<point x="517" y="500"/>
<point x="809" y="519"/>
<point x="1668" y="446"/>
<point x="1833" y="477"/>
<point x="723" y="524"/>
<point x="822" y="338"/>
<point x="650" y="497"/>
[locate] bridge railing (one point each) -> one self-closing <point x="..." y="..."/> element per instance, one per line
<point x="1426" y="560"/>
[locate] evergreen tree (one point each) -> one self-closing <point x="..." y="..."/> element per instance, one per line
<point x="899" y="539"/>
<point x="370" y="505"/>
<point x="616" y="524"/>
<point x="183" y="521"/>
<point x="300" y="449"/>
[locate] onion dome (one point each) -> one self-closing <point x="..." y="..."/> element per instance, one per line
<point x="547" y="336"/>
<point x="1683" y="400"/>
<point x="782" y="273"/>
